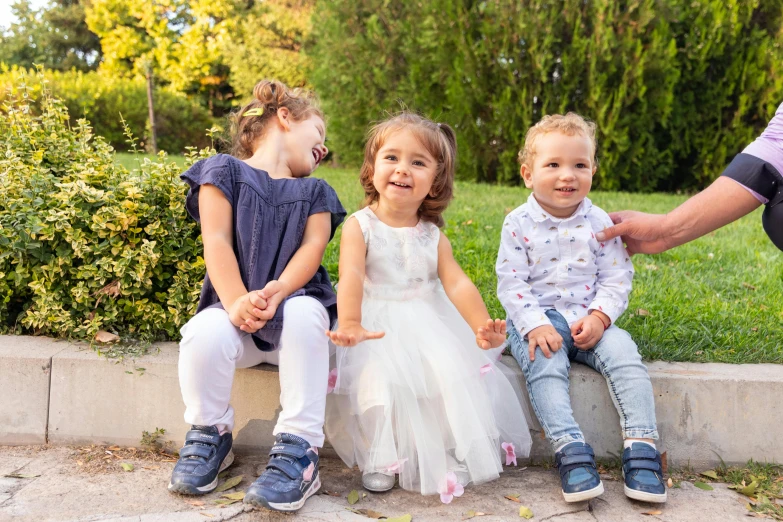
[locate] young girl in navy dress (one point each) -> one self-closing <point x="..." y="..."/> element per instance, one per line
<point x="412" y="393"/>
<point x="265" y="225"/>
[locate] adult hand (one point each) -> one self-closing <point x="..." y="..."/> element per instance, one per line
<point x="491" y="335"/>
<point x="642" y="233"/>
<point x="546" y="338"/>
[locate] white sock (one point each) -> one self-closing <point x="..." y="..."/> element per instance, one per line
<point x="563" y="445"/>
<point x="627" y="443"/>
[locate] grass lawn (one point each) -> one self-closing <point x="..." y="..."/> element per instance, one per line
<point x="717" y="299"/>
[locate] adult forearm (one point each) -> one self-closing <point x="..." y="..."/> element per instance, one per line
<point x="723" y="202"/>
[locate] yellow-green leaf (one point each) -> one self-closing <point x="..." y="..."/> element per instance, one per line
<point x="353" y="497"/>
<point x="126" y="466"/>
<point x="225" y="501"/>
<point x="525" y="512"/>
<point x="239" y="495"/>
<point x="401" y="518"/>
<point x="750" y="489"/>
<point x="230" y="483"/>
<point x="710" y="474"/>
<point x="704" y="486"/>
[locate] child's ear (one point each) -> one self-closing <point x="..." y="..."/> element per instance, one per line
<point x="284" y="117"/>
<point x="527" y="175"/>
<point x="595" y="167"/>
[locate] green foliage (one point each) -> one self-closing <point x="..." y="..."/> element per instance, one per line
<point x="676" y="88"/>
<point x="105" y="100"/>
<point x="85" y="244"/>
<point x="55" y="36"/>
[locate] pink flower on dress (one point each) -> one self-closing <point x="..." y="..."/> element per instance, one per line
<point x="450" y="488"/>
<point x="332" y="381"/>
<point x="396" y="467"/>
<point x="511" y="456"/>
<point x="485" y="369"/>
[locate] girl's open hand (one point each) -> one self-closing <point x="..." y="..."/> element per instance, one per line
<point x="247" y="312"/>
<point x="492" y="335"/>
<point x="352" y="334"/>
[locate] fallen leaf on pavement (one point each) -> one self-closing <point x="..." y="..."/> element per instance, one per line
<point x="669" y="482"/>
<point x="514" y="497"/>
<point x="525" y="512"/>
<point x="224" y="474"/>
<point x="210" y="515"/>
<point x="401" y="518"/>
<point x="750" y="489"/>
<point x="20" y="476"/>
<point x="195" y="502"/>
<point x="230" y="483"/>
<point x="126" y="466"/>
<point x="106" y="337"/>
<point x="651" y="513"/>
<point x="369" y="513"/>
<point x="331" y="493"/>
<point x="225" y="501"/>
<point x="239" y="495"/>
<point x="710" y="474"/>
<point x="151" y="468"/>
<point x="353" y="497"/>
<point x="470" y="514"/>
<point x="704" y="486"/>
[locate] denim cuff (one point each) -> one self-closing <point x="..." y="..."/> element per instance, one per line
<point x="641" y="433"/>
<point x="566" y="439"/>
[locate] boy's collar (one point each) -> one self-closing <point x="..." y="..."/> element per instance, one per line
<point x="538" y="214"/>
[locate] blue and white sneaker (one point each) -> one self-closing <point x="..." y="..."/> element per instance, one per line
<point x="643" y="473"/>
<point x="578" y="474"/>
<point x="290" y="478"/>
<point x="205" y="454"/>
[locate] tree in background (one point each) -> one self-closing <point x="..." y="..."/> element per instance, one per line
<point x="676" y="87"/>
<point x="55" y="36"/>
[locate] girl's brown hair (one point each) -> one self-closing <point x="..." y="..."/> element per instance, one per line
<point x="268" y="97"/>
<point x="439" y="140"/>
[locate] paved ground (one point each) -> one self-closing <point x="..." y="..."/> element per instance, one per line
<point x="88" y="484"/>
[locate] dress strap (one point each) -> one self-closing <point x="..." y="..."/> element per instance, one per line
<point x="364" y="217"/>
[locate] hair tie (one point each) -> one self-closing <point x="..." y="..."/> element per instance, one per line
<point x="438" y="124"/>
<point x="256" y="111"/>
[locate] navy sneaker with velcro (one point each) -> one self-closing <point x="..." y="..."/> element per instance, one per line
<point x="205" y="454"/>
<point x="290" y="478"/>
<point x="578" y="474"/>
<point x="643" y="473"/>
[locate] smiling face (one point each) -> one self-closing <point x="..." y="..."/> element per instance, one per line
<point x="304" y="144"/>
<point x="404" y="171"/>
<point x="561" y="172"/>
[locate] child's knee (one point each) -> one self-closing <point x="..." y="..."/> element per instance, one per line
<point x="209" y="331"/>
<point x="304" y="315"/>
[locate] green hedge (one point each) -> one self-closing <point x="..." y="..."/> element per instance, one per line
<point x="102" y="99"/>
<point x="677" y="87"/>
<point x="85" y="244"/>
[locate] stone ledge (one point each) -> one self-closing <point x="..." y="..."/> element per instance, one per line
<point x="705" y="411"/>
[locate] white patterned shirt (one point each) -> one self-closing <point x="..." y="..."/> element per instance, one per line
<point x="546" y="262"/>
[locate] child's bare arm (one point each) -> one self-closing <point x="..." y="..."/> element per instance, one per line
<point x="350" y="289"/>
<point x="217" y="233"/>
<point x="467" y="299"/>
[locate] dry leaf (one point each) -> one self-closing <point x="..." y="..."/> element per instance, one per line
<point x="402" y="518"/>
<point x="525" y="512"/>
<point x="112" y="289"/>
<point x="225" y="501"/>
<point x="669" y="482"/>
<point x="114" y="448"/>
<point x="195" y="502"/>
<point x="513" y="497"/>
<point x="230" y="483"/>
<point x="650" y="513"/>
<point x="151" y="468"/>
<point x="353" y="497"/>
<point x="330" y="493"/>
<point x="470" y="514"/>
<point x="642" y="311"/>
<point x="369" y="513"/>
<point x="210" y="515"/>
<point x="20" y="476"/>
<point x="664" y="462"/>
<point x="106" y="337"/>
<point x="239" y="495"/>
<point x="126" y="466"/>
<point x="748" y="286"/>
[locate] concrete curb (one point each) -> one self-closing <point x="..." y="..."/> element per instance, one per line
<point x="63" y="393"/>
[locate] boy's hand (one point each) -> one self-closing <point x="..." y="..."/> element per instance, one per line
<point x="352" y="334"/>
<point x="491" y="335"/>
<point x="587" y="331"/>
<point x="546" y="338"/>
<point x="246" y="312"/>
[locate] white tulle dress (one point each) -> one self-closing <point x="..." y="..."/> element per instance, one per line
<point x="424" y="400"/>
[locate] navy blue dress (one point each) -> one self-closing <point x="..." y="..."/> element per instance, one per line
<point x="269" y="222"/>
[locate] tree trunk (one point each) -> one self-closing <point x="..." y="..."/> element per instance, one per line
<point x="153" y="134"/>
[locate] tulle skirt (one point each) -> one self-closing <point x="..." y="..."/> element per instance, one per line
<point x="424" y="400"/>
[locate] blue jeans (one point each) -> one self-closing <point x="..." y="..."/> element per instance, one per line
<point x="616" y="357"/>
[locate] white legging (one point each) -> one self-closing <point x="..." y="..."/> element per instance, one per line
<point x="212" y="349"/>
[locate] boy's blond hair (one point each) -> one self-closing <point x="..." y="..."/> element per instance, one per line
<point x="569" y="124"/>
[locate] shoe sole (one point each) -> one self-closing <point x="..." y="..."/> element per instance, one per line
<point x="378" y="490"/>
<point x="285" y="506"/>
<point x="189" y="489"/>
<point x="581" y="496"/>
<point x="655" y="498"/>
